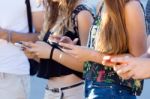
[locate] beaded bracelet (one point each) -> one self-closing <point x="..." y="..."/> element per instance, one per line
<point x="9" y="36"/>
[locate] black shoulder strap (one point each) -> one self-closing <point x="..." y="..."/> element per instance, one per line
<point x="29" y="15"/>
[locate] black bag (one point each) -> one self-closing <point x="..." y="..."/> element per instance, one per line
<point x="34" y="65"/>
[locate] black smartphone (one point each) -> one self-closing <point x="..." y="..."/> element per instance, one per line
<point x="56" y="45"/>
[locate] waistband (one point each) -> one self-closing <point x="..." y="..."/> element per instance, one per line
<point x="57" y="90"/>
<point x="118" y="89"/>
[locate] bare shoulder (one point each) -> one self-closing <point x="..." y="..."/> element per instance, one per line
<point x="133" y="9"/>
<point x="84" y="14"/>
<point x="132" y="6"/>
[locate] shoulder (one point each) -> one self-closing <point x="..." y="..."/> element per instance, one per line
<point x="133" y="9"/>
<point x="82" y="11"/>
<point x="133" y="5"/>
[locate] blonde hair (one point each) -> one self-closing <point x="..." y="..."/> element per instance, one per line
<point x="112" y="37"/>
<point x="58" y="16"/>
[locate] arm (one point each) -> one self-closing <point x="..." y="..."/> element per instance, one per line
<point x="42" y="50"/>
<point x="137" y="40"/>
<point x="37" y="23"/>
<point x="136" y="29"/>
<point x="85" y="20"/>
<point x="16" y="36"/>
<point x="136" y="33"/>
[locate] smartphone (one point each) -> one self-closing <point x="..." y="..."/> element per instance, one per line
<point x="21" y="45"/>
<point x="56" y="45"/>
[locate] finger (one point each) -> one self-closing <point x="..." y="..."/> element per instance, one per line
<point x="36" y="54"/>
<point x="75" y="41"/>
<point x="67" y="46"/>
<point x="136" y="77"/>
<point x="117" y="67"/>
<point x="28" y="44"/>
<point x="125" y="76"/>
<point x="106" y="60"/>
<point x="31" y="50"/>
<point x="106" y="63"/>
<point x="55" y="37"/>
<point x="123" y="60"/>
<point x="107" y="57"/>
<point x="65" y="39"/>
<point x="129" y="75"/>
<point x="51" y="39"/>
<point x="124" y="69"/>
<point x="38" y="43"/>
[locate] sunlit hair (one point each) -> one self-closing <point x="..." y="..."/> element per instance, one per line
<point x="54" y="10"/>
<point x="112" y="38"/>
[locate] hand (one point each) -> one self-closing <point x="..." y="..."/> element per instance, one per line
<point x="29" y="54"/>
<point x="107" y="60"/>
<point x="3" y="34"/>
<point x="136" y="68"/>
<point x="79" y="52"/>
<point x="39" y="49"/>
<point x="64" y="39"/>
<point x="54" y="38"/>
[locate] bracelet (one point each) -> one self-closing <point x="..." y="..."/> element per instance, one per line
<point x="51" y="53"/>
<point x="60" y="55"/>
<point x="9" y="36"/>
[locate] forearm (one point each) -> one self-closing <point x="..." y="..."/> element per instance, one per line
<point x="95" y="56"/>
<point x="15" y="37"/>
<point x="68" y="60"/>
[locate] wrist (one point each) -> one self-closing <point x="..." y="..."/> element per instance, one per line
<point x="96" y="56"/>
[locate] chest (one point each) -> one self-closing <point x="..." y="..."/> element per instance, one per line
<point x="11" y="9"/>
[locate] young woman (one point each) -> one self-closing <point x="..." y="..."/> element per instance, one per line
<point x="63" y="17"/>
<point x="114" y="32"/>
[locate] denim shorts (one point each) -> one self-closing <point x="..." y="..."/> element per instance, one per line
<point x="99" y="90"/>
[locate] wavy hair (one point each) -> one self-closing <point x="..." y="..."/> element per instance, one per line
<point x="57" y="14"/>
<point x="112" y="37"/>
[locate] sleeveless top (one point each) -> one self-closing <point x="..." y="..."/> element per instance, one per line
<point x="50" y="68"/>
<point x="147" y="17"/>
<point x="100" y="73"/>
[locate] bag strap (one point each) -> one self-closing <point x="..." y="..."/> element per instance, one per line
<point x="29" y="15"/>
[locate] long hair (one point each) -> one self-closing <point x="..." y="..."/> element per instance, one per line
<point x="112" y="37"/>
<point x="57" y="15"/>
